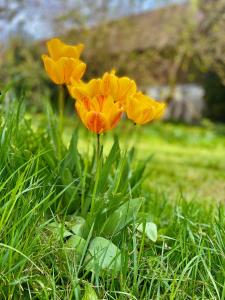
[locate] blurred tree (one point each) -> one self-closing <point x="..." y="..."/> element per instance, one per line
<point x="211" y="44"/>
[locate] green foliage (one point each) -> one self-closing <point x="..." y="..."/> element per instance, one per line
<point x="103" y="255"/>
<point x="89" y="293"/>
<point x="55" y="209"/>
<point x="149" y="229"/>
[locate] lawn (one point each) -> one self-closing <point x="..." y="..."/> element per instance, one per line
<point x="184" y="192"/>
<point x="188" y="161"/>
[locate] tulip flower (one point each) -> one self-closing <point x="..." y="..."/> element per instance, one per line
<point x="58" y="49"/>
<point x="63" y="64"/>
<point x="142" y="109"/>
<point x="121" y="88"/>
<point x="99" y="102"/>
<point x="99" y="114"/>
<point x="102" y="86"/>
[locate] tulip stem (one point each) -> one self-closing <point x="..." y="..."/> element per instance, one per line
<point x="97" y="171"/>
<point x="61" y="107"/>
<point x="98" y="155"/>
<point x="98" y="149"/>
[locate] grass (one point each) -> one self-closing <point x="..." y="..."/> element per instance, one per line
<point x="187" y="160"/>
<point x="184" y="192"/>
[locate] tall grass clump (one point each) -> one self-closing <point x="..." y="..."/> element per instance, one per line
<point x="79" y="225"/>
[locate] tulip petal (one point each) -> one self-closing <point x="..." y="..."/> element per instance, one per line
<point x="78" y="71"/>
<point x="54" y="48"/>
<point x="142" y="109"/>
<point x="67" y="67"/>
<point x="126" y="88"/>
<point x="56" y="75"/>
<point x="93" y="87"/>
<point x="82" y="111"/>
<point x="58" y="49"/>
<point x="115" y="118"/>
<point x="78" y="92"/>
<point x="109" y="84"/>
<point x="96" y="122"/>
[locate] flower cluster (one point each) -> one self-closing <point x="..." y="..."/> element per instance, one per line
<point x="99" y="102"/>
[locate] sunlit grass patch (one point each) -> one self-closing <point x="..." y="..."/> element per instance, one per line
<point x="186" y="261"/>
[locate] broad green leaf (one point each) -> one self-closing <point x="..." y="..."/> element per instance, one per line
<point x="76" y="246"/>
<point x="77" y="225"/>
<point x="149" y="229"/>
<point x="58" y="230"/>
<point x="103" y="255"/>
<point x="89" y="293"/>
<point x="122" y="216"/>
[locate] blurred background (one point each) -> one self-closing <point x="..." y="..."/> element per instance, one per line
<point x="173" y="49"/>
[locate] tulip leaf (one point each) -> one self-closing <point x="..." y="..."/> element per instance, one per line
<point x="122" y="216"/>
<point x="72" y="159"/>
<point x="103" y="255"/>
<point x="58" y="230"/>
<point x="110" y="160"/>
<point x="71" y="200"/>
<point x="149" y="229"/>
<point x="76" y="247"/>
<point x="77" y="225"/>
<point x="89" y="293"/>
<point x="76" y="242"/>
<point x="73" y="150"/>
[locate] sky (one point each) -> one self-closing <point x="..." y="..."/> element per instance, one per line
<point x="34" y="16"/>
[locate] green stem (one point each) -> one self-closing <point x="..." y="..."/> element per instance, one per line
<point x="61" y="108"/>
<point x="97" y="174"/>
<point x="98" y="149"/>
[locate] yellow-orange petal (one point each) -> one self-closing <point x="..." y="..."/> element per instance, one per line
<point x="78" y="72"/>
<point x="58" y="49"/>
<point x="126" y="88"/>
<point x="79" y="92"/>
<point x="70" y="68"/>
<point x="93" y="87"/>
<point x="115" y="118"/>
<point x="96" y="122"/>
<point x="72" y="51"/>
<point x="82" y="111"/>
<point x="56" y="75"/>
<point x="142" y="109"/>
<point x="74" y="84"/>
<point x="109" y="84"/>
<point x="82" y="90"/>
<point x="54" y="48"/>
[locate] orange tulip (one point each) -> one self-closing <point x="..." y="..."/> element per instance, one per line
<point x="142" y="109"/>
<point x="120" y="88"/>
<point x="63" y="64"/>
<point x="97" y="110"/>
<point x="99" y="114"/>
